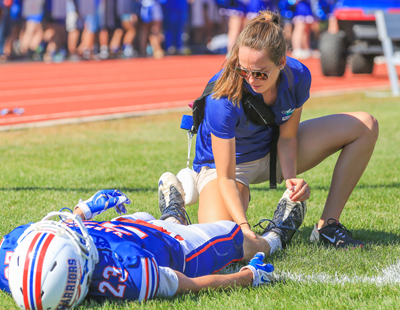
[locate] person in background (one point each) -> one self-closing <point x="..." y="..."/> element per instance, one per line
<point x="127" y="11"/>
<point x="205" y="20"/>
<point x="151" y="16"/>
<point x="87" y="13"/>
<point x="175" y="14"/>
<point x="303" y="20"/>
<point x="236" y="12"/>
<point x="31" y="42"/>
<point x="55" y="35"/>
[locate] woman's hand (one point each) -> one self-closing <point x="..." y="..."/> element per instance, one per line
<point x="299" y="188"/>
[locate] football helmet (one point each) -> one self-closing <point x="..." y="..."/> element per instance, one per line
<point x="52" y="264"/>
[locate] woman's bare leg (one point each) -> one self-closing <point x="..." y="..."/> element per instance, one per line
<point x="156" y="38"/>
<point x="72" y="41"/>
<point x="297" y="35"/>
<point x="355" y="134"/>
<point x="130" y="30"/>
<point x="212" y="209"/>
<point x="32" y="36"/>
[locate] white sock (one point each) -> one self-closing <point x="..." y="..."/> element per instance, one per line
<point x="274" y="241"/>
<point x="172" y="220"/>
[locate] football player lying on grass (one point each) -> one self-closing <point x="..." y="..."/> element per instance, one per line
<point x="57" y="264"/>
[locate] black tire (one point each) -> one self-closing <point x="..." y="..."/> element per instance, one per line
<point x="333" y="50"/>
<point x="362" y="64"/>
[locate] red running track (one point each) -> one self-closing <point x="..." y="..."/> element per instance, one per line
<point x="83" y="91"/>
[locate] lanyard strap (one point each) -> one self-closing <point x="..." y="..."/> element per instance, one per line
<point x="190" y="137"/>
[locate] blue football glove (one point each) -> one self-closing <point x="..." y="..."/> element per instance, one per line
<point x="103" y="200"/>
<point x="262" y="273"/>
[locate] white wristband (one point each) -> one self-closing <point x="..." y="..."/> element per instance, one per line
<point x="85" y="209"/>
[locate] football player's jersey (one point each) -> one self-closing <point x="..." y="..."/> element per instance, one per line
<point x="129" y="255"/>
<point x="126" y="268"/>
<point x="131" y="252"/>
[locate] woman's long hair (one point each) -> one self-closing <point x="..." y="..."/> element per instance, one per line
<point x="262" y="33"/>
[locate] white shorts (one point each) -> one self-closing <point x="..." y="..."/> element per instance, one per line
<point x="253" y="172"/>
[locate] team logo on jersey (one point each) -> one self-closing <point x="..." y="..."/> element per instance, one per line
<point x="287" y="114"/>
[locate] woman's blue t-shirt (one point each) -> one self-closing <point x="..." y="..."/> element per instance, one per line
<point x="226" y="121"/>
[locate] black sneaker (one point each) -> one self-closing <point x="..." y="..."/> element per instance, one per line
<point x="335" y="234"/>
<point x="288" y="217"/>
<point x="171" y="198"/>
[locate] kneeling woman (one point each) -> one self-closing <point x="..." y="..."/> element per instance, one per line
<point x="233" y="152"/>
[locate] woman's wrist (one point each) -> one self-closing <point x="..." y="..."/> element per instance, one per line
<point x="244" y="223"/>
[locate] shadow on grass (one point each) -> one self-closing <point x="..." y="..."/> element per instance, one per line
<point x="154" y="189"/>
<point x="368" y="236"/>
<point x="89" y="190"/>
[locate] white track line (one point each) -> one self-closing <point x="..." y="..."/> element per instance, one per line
<point x="83" y="85"/>
<point x="108" y="96"/>
<point x="388" y="275"/>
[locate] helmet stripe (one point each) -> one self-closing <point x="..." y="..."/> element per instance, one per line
<point x="32" y="271"/>
<point x="38" y="282"/>
<point x="26" y="272"/>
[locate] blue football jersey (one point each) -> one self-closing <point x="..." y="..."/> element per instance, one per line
<point x="131" y="252"/>
<point x="129" y="255"/>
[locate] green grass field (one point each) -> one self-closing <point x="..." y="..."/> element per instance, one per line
<point x="50" y="168"/>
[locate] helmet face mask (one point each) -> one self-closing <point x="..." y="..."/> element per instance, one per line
<point x="52" y="265"/>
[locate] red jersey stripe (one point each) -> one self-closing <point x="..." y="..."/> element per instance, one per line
<point x="212" y="243"/>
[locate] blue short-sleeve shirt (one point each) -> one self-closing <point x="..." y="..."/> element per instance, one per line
<point x="227" y="121"/>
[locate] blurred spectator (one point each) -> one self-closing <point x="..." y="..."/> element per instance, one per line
<point x="152" y="17"/>
<point x="54" y="35"/>
<point x="175" y="18"/>
<point x="303" y="19"/>
<point x="286" y="9"/>
<point x="4" y="27"/>
<point x="204" y="20"/>
<point x="13" y="11"/>
<point x="323" y="11"/>
<point x="106" y="16"/>
<point x="87" y="13"/>
<point x="240" y="12"/>
<point x="127" y="12"/>
<point x="31" y="41"/>
<point x="236" y="11"/>
<point x="73" y="25"/>
<point x="256" y="6"/>
<point x="102" y="29"/>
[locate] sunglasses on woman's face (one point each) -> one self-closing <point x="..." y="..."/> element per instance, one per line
<point x="259" y="75"/>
